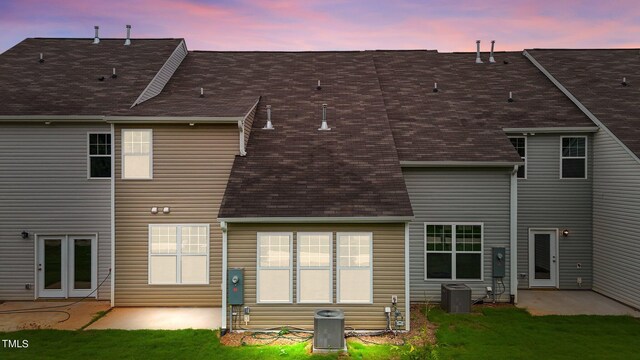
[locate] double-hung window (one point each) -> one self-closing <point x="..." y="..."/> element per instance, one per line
<point x="520" y="143"/>
<point x="274" y="270"/>
<point x="178" y="254"/>
<point x="315" y="279"/>
<point x="573" y="157"/>
<point x="453" y="251"/>
<point x="355" y="273"/>
<point x="99" y="155"/>
<point x="137" y="159"/>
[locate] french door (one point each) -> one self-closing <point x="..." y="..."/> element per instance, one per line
<point x="543" y="258"/>
<point x="67" y="266"/>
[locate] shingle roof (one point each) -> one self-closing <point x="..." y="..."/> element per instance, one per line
<point x="463" y="121"/>
<point x="66" y="83"/>
<point x="594" y="77"/>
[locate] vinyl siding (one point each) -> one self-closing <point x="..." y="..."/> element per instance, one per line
<point x="458" y="195"/>
<point x="191" y="166"/>
<point x="44" y="190"/>
<point x="388" y="275"/>
<point x="546" y="201"/>
<point x="164" y="74"/>
<point x="616" y="221"/>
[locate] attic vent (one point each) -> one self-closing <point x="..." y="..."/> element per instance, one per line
<point x="510" y="97"/>
<point x="113" y="74"/>
<point x="491" y="59"/>
<point x="478" y="59"/>
<point x="201" y="92"/>
<point x="318" y="87"/>
<point x="624" y="81"/>
<point x="269" y="125"/>
<point x="435" y="87"/>
<point x="41" y="60"/>
<point x="128" y="40"/>
<point x="324" y="126"/>
<point x="96" y="38"/>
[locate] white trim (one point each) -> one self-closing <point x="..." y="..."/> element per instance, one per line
<point x="407" y="278"/>
<point x="526" y="154"/>
<point x="241" y="123"/>
<point x="178" y="254"/>
<point x="584" y="109"/>
<point x="556" y="249"/>
<point x="223" y="227"/>
<point x="585" y="157"/>
<point x="339" y="268"/>
<point x="290" y="268"/>
<point x="94" y="266"/>
<point x="513" y="234"/>
<point x="446" y="163"/>
<point x="328" y="267"/>
<point x="113" y="218"/>
<point x="364" y="219"/>
<point x="553" y="130"/>
<point x="453" y="251"/>
<point x="89" y="133"/>
<point x="122" y="154"/>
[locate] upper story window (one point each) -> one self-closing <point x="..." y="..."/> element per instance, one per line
<point x="573" y="157"/>
<point x="453" y="251"/>
<point x="137" y="154"/>
<point x="520" y="143"/>
<point x="99" y="155"/>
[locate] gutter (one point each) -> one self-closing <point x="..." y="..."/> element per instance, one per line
<point x="57" y="118"/>
<point x="513" y="230"/>
<point x="554" y="130"/>
<point x="460" y="163"/>
<point x="173" y="119"/>
<point x="363" y="219"/>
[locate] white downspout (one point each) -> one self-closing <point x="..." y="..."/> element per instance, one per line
<point x="113" y="218"/>
<point x="513" y="226"/>
<point x="223" y="226"/>
<point x="407" y="292"/>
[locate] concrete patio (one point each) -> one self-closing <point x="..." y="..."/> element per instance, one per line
<point x="63" y="315"/>
<point x="571" y="302"/>
<point x="159" y="318"/>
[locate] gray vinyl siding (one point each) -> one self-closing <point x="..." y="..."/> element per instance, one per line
<point x="616" y="221"/>
<point x="458" y="195"/>
<point x="546" y="201"/>
<point x="44" y="190"/>
<point x="164" y="74"/>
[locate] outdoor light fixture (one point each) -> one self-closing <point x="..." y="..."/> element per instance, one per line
<point x="166" y="210"/>
<point x="565" y="232"/>
<point x="154" y="210"/>
<point x="24" y="234"/>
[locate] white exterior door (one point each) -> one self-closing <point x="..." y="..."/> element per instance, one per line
<point x="52" y="266"/>
<point x="67" y="266"/>
<point x="543" y="258"/>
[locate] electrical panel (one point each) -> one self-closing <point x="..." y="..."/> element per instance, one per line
<point x="499" y="260"/>
<point x="235" y="286"/>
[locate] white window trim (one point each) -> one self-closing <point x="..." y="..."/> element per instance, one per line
<point x="89" y="156"/>
<point x="339" y="268"/>
<point x="585" y="157"/>
<point x="330" y="267"/>
<point x="178" y="255"/>
<point x="526" y="155"/>
<point x="122" y="154"/>
<point x="453" y="251"/>
<point x="290" y="267"/>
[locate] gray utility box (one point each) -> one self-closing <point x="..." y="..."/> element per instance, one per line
<point x="328" y="330"/>
<point x="499" y="260"/>
<point x="456" y="298"/>
<point x="235" y="286"/>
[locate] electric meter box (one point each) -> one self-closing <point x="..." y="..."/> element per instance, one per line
<point x="499" y="260"/>
<point x="235" y="286"/>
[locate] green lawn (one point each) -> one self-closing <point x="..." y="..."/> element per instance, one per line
<point x="509" y="333"/>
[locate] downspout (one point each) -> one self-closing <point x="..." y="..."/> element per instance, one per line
<point x="407" y="292"/>
<point x="513" y="226"/>
<point x="113" y="218"/>
<point x="223" y="226"/>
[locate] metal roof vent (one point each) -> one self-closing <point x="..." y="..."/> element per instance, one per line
<point x="324" y="126"/>
<point x="128" y="40"/>
<point x="114" y="75"/>
<point x="624" y="81"/>
<point x="269" y="125"/>
<point x="41" y="60"/>
<point x="318" y="87"/>
<point x="510" y="97"/>
<point x="201" y="92"/>
<point x="435" y="87"/>
<point x="478" y="59"/>
<point x="96" y="38"/>
<point x="491" y="59"/>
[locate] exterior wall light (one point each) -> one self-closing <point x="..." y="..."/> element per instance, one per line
<point x="154" y="210"/>
<point x="166" y="210"/>
<point x="565" y="232"/>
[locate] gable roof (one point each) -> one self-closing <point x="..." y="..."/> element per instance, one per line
<point x="594" y="77"/>
<point x="67" y="81"/>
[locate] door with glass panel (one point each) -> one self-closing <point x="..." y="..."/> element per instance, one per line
<point x="66" y="266"/>
<point x="543" y="258"/>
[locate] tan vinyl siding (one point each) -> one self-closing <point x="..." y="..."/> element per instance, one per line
<point x="191" y="166"/>
<point x="388" y="275"/>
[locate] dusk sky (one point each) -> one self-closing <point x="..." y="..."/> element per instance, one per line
<point x="333" y="24"/>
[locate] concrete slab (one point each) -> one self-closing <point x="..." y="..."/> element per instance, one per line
<point x="160" y="318"/>
<point x="48" y="314"/>
<point x="571" y="302"/>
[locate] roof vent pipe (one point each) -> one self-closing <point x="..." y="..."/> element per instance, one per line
<point x="324" y="125"/>
<point x="269" y="125"/>
<point x="624" y="81"/>
<point x="318" y="87"/>
<point x="128" y="40"/>
<point x="435" y="87"/>
<point x="478" y="60"/>
<point x="113" y="74"/>
<point x="41" y="60"/>
<point x="201" y="92"/>
<point x="510" y="97"/>
<point x="96" y="38"/>
<point x="491" y="59"/>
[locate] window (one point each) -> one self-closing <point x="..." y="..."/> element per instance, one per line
<point x="355" y="274"/>
<point x="178" y="254"/>
<point x="137" y="154"/>
<point x="315" y="279"/>
<point x="573" y="158"/>
<point x="274" y="268"/>
<point x="520" y="143"/>
<point x="99" y="155"/>
<point x="453" y="251"/>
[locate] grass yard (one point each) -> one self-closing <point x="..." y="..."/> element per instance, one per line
<point x="511" y="333"/>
